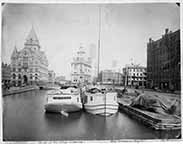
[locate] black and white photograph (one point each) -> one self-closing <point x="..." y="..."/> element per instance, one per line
<point x="77" y="72"/>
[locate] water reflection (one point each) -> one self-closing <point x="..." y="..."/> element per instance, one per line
<point x="24" y="118"/>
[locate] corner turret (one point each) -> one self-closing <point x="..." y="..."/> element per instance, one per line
<point x="15" y="52"/>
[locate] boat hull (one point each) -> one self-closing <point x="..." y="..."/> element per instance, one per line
<point x="58" y="107"/>
<point x="101" y="103"/>
<point x="102" y="109"/>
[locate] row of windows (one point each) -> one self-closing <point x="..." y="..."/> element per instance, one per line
<point x="19" y="76"/>
<point x="163" y="50"/>
<point x="27" y="62"/>
<point x="83" y="70"/>
<point x="26" y="70"/>
<point x="137" y="74"/>
<point x="136" y="70"/>
<point x="136" y="79"/>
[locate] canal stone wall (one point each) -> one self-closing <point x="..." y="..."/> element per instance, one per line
<point x="19" y="90"/>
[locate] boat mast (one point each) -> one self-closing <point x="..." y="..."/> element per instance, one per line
<point x="98" y="68"/>
<point x="99" y="55"/>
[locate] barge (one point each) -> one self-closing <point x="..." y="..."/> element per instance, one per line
<point x="154" y="120"/>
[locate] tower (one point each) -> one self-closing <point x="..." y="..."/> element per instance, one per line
<point x="32" y="41"/>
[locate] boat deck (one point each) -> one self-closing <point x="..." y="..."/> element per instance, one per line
<point x="154" y="120"/>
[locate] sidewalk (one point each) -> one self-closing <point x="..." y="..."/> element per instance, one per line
<point x="16" y="90"/>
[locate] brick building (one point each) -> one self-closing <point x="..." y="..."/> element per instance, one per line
<point x="163" y="61"/>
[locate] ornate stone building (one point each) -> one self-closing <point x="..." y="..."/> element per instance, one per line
<point x="81" y="68"/>
<point x="29" y="65"/>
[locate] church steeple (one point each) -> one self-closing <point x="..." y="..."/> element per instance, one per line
<point x="32" y="38"/>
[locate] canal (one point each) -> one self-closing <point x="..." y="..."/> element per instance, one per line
<point x="24" y="119"/>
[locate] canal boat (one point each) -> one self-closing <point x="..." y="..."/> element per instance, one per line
<point x="63" y="100"/>
<point x="100" y="101"/>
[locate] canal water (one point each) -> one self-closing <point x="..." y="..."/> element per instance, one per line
<point x="24" y="119"/>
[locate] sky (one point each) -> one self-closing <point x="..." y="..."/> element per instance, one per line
<point x="63" y="28"/>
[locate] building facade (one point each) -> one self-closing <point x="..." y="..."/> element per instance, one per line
<point x="61" y="80"/>
<point x="163" y="61"/>
<point x="134" y="75"/>
<point x="6" y="75"/>
<point x="51" y="76"/>
<point x="29" y="65"/>
<point x="81" y="68"/>
<point x="110" y="77"/>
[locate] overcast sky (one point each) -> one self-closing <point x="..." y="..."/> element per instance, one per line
<point x="62" y="28"/>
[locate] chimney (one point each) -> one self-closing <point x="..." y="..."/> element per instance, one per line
<point x="166" y="31"/>
<point x="150" y="40"/>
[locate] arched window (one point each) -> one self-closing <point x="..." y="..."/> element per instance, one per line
<point x="14" y="76"/>
<point x="19" y="76"/>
